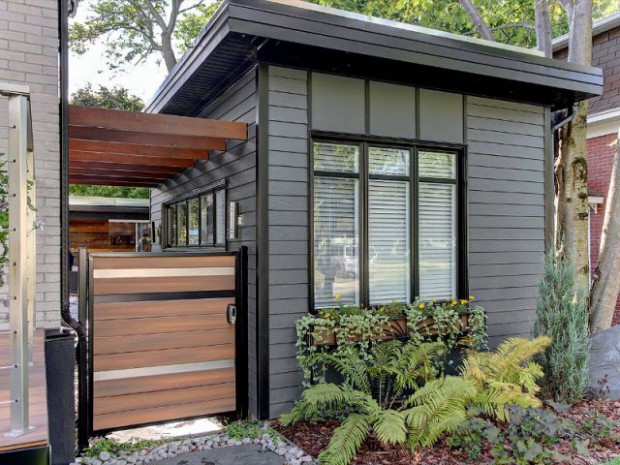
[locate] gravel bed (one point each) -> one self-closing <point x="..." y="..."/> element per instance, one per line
<point x="281" y="446"/>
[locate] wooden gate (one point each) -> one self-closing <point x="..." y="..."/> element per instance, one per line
<point x="162" y="337"/>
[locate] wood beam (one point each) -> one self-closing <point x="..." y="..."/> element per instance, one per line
<point x="80" y="166"/>
<point x="144" y="138"/>
<point x="134" y="149"/>
<point x="110" y="182"/>
<point x="124" y="159"/>
<point x="154" y="123"/>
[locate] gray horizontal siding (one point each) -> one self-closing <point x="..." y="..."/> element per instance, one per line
<point x="506" y="211"/>
<point x="288" y="229"/>
<point x="237" y="165"/>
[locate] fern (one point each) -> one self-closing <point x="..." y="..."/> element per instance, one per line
<point x="346" y="440"/>
<point x="438" y="407"/>
<point x="390" y="427"/>
<point x="506" y="377"/>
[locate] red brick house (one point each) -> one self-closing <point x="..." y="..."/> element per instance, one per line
<point x="603" y="124"/>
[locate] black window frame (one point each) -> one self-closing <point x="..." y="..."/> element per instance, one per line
<point x="414" y="146"/>
<point x="199" y="194"/>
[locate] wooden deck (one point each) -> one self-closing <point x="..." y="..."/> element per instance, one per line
<point x="38" y="403"/>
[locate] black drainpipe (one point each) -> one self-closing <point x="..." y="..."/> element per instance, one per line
<point x="63" y="29"/>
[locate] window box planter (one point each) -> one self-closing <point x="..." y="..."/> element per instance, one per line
<point x="393" y="329"/>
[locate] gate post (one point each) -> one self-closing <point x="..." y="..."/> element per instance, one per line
<point x="83" y="353"/>
<point x="241" y="332"/>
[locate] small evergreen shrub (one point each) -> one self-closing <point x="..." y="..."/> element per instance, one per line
<point x="562" y="315"/>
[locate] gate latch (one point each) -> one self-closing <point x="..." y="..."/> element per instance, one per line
<point x="231" y="313"/>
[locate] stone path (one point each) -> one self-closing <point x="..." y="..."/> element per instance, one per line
<point x="248" y="454"/>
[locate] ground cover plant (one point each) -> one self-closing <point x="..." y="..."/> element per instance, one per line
<point x="394" y="402"/>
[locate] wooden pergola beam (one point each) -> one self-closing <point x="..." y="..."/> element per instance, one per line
<point x="170" y="125"/>
<point x="96" y="181"/>
<point x="103" y="147"/>
<point x="145" y="138"/>
<point x="125" y="159"/>
<point x="79" y="166"/>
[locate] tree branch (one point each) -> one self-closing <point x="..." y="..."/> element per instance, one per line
<point x="506" y="26"/>
<point x="482" y="28"/>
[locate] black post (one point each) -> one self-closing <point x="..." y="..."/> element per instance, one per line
<point x="241" y="332"/>
<point x="59" y="362"/>
<point x="84" y="401"/>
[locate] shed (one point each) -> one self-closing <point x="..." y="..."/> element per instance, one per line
<point x="384" y="161"/>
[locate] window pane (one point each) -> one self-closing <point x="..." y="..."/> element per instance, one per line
<point x="182" y="224"/>
<point x="206" y="220"/>
<point x="437" y="240"/>
<point x="437" y="165"/>
<point x="172" y="225"/>
<point x="388" y="161"/>
<point x="336" y="239"/>
<point x="220" y="208"/>
<point x="388" y="234"/>
<point x="194" y="211"/>
<point x="337" y="158"/>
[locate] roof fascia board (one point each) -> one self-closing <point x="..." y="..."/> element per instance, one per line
<point x="350" y="23"/>
<point x="214" y="33"/>
<point x="371" y="47"/>
<point x="603" y="123"/>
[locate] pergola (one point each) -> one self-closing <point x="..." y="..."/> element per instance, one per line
<point x="119" y="148"/>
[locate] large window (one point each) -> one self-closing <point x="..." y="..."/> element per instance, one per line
<point x="198" y="221"/>
<point x="385" y="223"/>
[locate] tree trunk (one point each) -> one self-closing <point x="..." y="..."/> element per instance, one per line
<point x="480" y="24"/>
<point x="167" y="51"/>
<point x="606" y="279"/>
<point x="543" y="27"/>
<point x="572" y="172"/>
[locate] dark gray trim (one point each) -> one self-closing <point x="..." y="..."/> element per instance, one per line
<point x="549" y="181"/>
<point x="308" y="38"/>
<point x="262" y="244"/>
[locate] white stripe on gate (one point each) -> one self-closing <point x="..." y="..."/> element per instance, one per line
<point x="163" y="272"/>
<point x="162" y="370"/>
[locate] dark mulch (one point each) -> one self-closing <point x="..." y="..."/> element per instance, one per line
<point x="313" y="438"/>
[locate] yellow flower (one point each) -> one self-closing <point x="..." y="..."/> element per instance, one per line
<point x="471" y="297"/>
<point x="463" y="302"/>
<point x="338" y="296"/>
<point x="421" y="306"/>
<point x="454" y="302"/>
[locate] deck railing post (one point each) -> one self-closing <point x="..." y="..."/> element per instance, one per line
<point x="19" y="240"/>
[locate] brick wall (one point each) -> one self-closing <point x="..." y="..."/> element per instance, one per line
<point x="605" y="55"/>
<point x="29" y="55"/>
<point x="600" y="156"/>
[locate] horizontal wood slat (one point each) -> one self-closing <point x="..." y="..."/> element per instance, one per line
<point x="132" y="402"/>
<point x="103" y="422"/>
<point x="153" y="342"/>
<point x="163" y="357"/>
<point x="115" y="263"/>
<point x="125" y="286"/>
<point x="160" y="308"/>
<point x="154" y="384"/>
<point x="163" y="325"/>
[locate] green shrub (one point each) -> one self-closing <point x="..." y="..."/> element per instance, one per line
<point x="562" y="315"/>
<point x="615" y="461"/>
<point x="247" y="429"/>
<point x="114" y="447"/>
<point x="397" y="394"/>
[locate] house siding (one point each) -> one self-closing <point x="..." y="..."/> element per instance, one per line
<point x="506" y="190"/>
<point x="237" y="165"/>
<point x="288" y="232"/>
<point x="29" y="55"/>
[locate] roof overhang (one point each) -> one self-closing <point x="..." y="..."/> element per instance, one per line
<point x="117" y="148"/>
<point x="293" y="33"/>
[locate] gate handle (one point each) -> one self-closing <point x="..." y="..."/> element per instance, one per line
<point x="231" y="313"/>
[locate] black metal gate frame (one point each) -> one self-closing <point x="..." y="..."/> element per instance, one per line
<point x="85" y="347"/>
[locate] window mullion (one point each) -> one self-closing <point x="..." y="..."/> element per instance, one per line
<point x="413" y="233"/>
<point x="364" y="233"/>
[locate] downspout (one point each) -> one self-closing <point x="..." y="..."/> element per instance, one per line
<point x="63" y="61"/>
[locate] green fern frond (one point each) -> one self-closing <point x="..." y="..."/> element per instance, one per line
<point x="390" y="427"/>
<point x="322" y="394"/>
<point x="346" y="440"/>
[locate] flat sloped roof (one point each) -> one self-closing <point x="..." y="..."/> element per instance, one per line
<point x="244" y="32"/>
